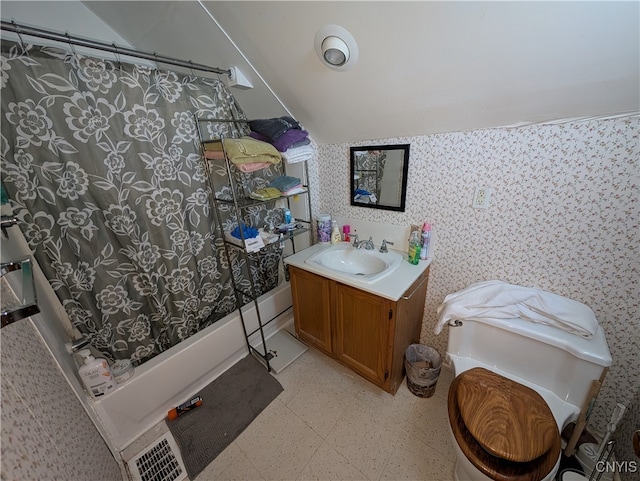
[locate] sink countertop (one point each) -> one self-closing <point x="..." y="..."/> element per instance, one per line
<point x="392" y="286"/>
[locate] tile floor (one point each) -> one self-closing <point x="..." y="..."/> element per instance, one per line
<point x="330" y="424"/>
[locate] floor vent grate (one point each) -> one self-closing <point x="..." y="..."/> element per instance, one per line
<point x="158" y="462"/>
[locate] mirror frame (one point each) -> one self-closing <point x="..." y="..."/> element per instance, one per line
<point x="403" y="184"/>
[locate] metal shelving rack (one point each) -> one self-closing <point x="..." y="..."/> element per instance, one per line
<point x="240" y="205"/>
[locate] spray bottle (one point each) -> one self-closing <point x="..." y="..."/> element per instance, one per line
<point x="426" y="237"/>
<point x="413" y="256"/>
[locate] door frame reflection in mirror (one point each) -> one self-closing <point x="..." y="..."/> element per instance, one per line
<point x="367" y="176"/>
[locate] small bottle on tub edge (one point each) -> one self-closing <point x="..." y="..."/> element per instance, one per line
<point x="96" y="375"/>
<point x="185" y="407"/>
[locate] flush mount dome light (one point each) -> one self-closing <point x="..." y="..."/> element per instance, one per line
<point x="336" y="47"/>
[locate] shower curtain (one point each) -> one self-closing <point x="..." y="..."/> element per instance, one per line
<point x="102" y="163"/>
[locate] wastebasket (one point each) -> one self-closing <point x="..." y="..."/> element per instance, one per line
<point x="422" y="364"/>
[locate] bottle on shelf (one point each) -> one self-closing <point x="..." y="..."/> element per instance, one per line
<point x="426" y="237"/>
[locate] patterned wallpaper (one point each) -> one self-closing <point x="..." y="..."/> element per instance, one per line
<point x="563" y="217"/>
<point x="46" y="434"/>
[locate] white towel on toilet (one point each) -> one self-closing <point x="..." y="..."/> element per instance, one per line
<point x="499" y="300"/>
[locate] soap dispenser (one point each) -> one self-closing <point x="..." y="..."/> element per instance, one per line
<point x="335" y="233"/>
<point x="96" y="375"/>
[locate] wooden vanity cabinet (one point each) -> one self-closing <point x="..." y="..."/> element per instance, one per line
<point x="363" y="331"/>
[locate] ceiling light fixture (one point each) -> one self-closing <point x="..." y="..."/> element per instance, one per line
<point x="336" y="47"/>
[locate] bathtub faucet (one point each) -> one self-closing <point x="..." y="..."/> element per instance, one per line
<point x="77" y="344"/>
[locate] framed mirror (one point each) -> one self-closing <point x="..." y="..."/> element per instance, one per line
<point x="379" y="176"/>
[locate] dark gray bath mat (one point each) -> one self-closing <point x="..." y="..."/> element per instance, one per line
<point x="229" y="404"/>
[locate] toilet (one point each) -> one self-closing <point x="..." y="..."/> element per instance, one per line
<point x="516" y="385"/>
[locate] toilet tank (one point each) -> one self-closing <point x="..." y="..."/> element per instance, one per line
<point x="544" y="356"/>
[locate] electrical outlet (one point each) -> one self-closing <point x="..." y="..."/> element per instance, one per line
<point x="481" y="198"/>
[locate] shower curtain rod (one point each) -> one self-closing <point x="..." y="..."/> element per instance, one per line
<point x="106" y="47"/>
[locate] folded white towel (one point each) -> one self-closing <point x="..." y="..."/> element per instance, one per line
<point x="298" y="154"/>
<point x="499" y="300"/>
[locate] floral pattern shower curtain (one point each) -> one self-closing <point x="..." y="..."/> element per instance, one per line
<point x="103" y="166"/>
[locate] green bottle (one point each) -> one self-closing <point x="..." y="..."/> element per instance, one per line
<point x="413" y="256"/>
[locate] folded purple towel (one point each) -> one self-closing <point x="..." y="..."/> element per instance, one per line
<point x="285" y="141"/>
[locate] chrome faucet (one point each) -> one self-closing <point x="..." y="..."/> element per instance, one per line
<point x="368" y="244"/>
<point x="356" y="243"/>
<point x="383" y="247"/>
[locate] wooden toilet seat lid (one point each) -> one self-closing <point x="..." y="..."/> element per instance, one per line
<point x="509" y="420"/>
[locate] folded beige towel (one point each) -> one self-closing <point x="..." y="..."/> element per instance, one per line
<point x="246" y="150"/>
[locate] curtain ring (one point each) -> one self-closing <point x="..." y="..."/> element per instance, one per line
<point x="155" y="56"/>
<point x="73" y="50"/>
<point x="192" y="71"/>
<point x="117" y="54"/>
<point x="22" y="44"/>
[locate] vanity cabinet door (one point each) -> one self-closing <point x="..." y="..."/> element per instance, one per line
<point x="364" y="326"/>
<point x="312" y="308"/>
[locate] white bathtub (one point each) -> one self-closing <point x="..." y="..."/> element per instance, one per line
<point x="172" y="377"/>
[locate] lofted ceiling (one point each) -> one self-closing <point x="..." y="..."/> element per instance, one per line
<point x="424" y="67"/>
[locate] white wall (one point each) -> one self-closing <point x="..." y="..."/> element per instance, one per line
<point x="69" y="16"/>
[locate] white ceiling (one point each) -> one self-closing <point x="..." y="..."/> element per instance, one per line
<point x="424" y="67"/>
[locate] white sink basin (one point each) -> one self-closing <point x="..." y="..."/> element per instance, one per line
<point x="361" y="264"/>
